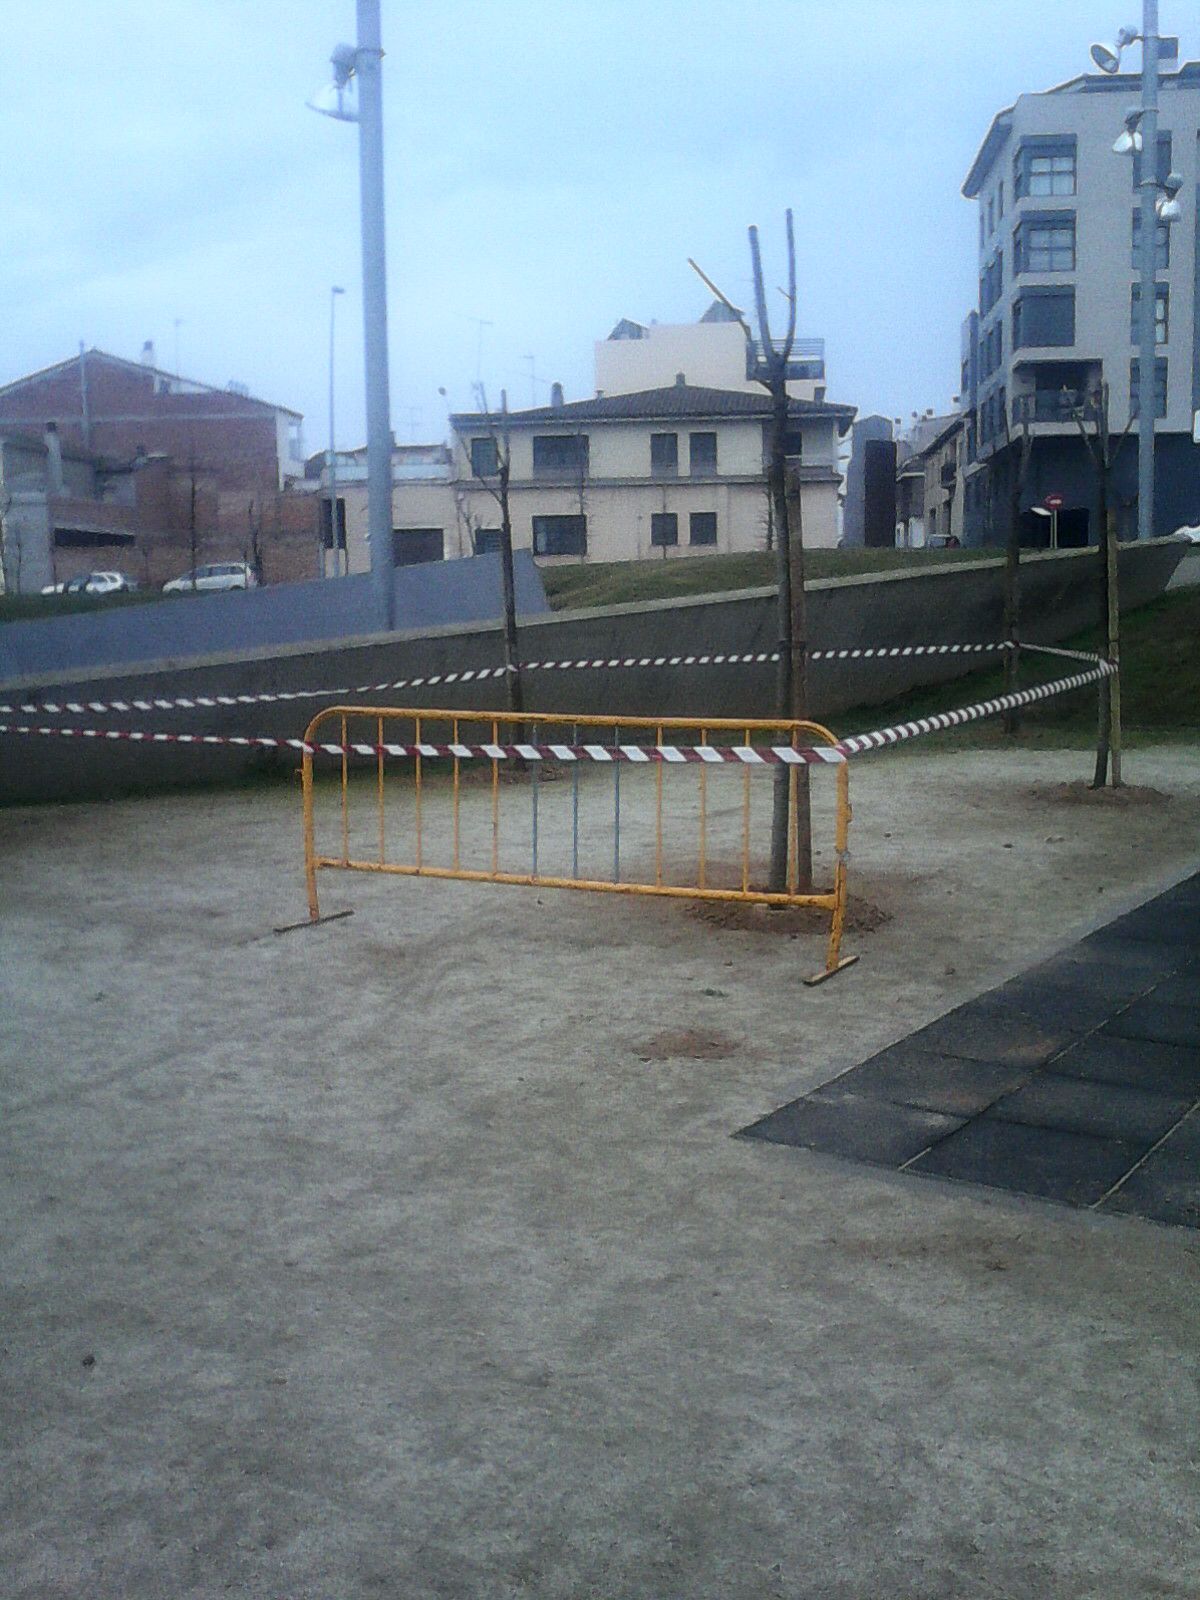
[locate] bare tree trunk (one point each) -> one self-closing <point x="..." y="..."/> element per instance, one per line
<point x="1103" y="691"/>
<point x="1114" y="645"/>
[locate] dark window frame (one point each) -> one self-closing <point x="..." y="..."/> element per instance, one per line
<point x="561" y="455"/>
<point x="706" y="465"/>
<point x="664" y="529"/>
<point x="1162" y="313"/>
<point x="1162" y="243"/>
<point x="410" y="546"/>
<point x="485" y="447"/>
<point x="327" y="523"/>
<point x="560" y="535"/>
<point x="486" y="541"/>
<point x="709" y="521"/>
<point x="1023" y="338"/>
<point x="1038" y="245"/>
<point x="1160" y="388"/>
<point x="1035" y="173"/>
<point x="664" y="455"/>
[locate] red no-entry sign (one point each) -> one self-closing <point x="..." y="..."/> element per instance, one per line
<point x="1053" y="502"/>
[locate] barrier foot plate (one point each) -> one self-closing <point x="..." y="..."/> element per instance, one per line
<point x="830" y="972"/>
<point x="315" y="922"/>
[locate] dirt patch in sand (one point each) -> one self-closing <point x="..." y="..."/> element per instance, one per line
<point x="862" y="916"/>
<point x="686" y="1044"/>
<point x="1081" y="793"/>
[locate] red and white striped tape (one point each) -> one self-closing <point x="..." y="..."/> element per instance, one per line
<point x="634" y="754"/>
<point x="478" y="675"/>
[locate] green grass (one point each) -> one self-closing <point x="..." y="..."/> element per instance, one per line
<point x="33" y="607"/>
<point x="619" y="582"/>
<point x="1160" y="686"/>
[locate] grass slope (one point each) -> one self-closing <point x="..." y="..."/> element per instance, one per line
<point x="620" y="582"/>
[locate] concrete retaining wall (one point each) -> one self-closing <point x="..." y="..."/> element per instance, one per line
<point x="957" y="604"/>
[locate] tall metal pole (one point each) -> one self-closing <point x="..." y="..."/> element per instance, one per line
<point x="374" y="265"/>
<point x="1147" y="387"/>
<point x="333" y="502"/>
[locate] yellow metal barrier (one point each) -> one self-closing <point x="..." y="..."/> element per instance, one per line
<point x="437" y="745"/>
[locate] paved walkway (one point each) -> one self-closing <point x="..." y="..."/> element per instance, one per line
<point x="1077" y="1082"/>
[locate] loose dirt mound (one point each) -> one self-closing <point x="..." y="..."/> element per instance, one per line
<point x="686" y="1044"/>
<point x="1080" y="793"/>
<point x="861" y="917"/>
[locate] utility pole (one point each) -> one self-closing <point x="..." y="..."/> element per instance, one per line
<point x="1148" y="245"/>
<point x="334" y="530"/>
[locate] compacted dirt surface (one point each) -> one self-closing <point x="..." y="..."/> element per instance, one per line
<point x="410" y="1254"/>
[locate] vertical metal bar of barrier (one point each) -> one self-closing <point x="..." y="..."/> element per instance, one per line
<point x="533" y="800"/>
<point x="345" y="797"/>
<point x="495" y="801"/>
<point x="417" y="764"/>
<point x="616" y="808"/>
<point x="658" y="797"/>
<point x="379" y="783"/>
<point x="793" y="874"/>
<point x="746" y="822"/>
<point x="703" y="872"/>
<point x="455" y="739"/>
<point x="575" y="807"/>
<point x="310" y="869"/>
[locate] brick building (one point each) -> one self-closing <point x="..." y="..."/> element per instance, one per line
<point x="200" y="469"/>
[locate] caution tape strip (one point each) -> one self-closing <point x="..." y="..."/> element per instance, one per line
<point x="635" y="754"/>
<point x="482" y="675"/>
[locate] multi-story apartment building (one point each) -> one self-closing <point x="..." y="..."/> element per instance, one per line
<point x="1057" y="315"/>
<point x="662" y="461"/>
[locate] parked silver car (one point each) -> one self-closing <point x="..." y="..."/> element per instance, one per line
<point x="216" y="575"/>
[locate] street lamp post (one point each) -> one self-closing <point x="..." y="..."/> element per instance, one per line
<point x="334" y="291"/>
<point x="358" y="68"/>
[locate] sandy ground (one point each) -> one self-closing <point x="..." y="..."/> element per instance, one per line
<point x="402" y="1255"/>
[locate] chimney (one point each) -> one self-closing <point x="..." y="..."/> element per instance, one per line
<point x="556" y="396"/>
<point x="54" y="472"/>
<point x="148" y="353"/>
<point x="680" y="380"/>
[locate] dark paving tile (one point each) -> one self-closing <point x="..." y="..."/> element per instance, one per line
<point x="1072" y="1167"/>
<point x="852" y="1125"/>
<point x="983" y="1031"/>
<point x="1141" y="1063"/>
<point x="1060" y="1004"/>
<point x="1127" y="957"/>
<point x="1160" y="922"/>
<point x="1183" y="990"/>
<point x="1148" y="1019"/>
<point x="1181" y="1147"/>
<point x="1160" y="1190"/>
<point x="908" y="1075"/>
<point x="1108" y="1110"/>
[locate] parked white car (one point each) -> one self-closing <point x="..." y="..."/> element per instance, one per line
<point x="92" y="583"/>
<point x="216" y="575"/>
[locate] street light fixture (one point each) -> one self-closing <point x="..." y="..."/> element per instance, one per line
<point x="1108" y="56"/>
<point x="356" y="95"/>
<point x="1130" y="138"/>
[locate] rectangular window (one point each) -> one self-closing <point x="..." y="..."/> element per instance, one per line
<point x="1000" y="198"/>
<point x="1045" y="164"/>
<point x="1045" y="243"/>
<point x="1162" y="245"/>
<point x="1043" y="317"/>
<point x="982" y="234"/>
<point x="991" y="284"/>
<point x="702" y="455"/>
<point x="327" y="524"/>
<point x="484" y="462"/>
<point x="991" y="216"/>
<point x="560" y="536"/>
<point x="1162" y="166"/>
<point x="664" y="528"/>
<point x="487" y="540"/>
<point x="412" y="546"/>
<point x="1161" y="306"/>
<point x="664" y="455"/>
<point x="1160" y="387"/>
<point x="560" y="455"/>
<point x="702" y="527"/>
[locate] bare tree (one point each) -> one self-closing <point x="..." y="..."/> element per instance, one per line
<point x="1018" y="457"/>
<point x="497" y="485"/>
<point x="769" y="364"/>
<point x="252" y="551"/>
<point x="1104" y="455"/>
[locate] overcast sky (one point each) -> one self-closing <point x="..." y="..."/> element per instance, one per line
<point x="550" y="165"/>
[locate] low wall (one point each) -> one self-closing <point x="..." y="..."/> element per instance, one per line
<point x="960" y="603"/>
<point x="187" y="627"/>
